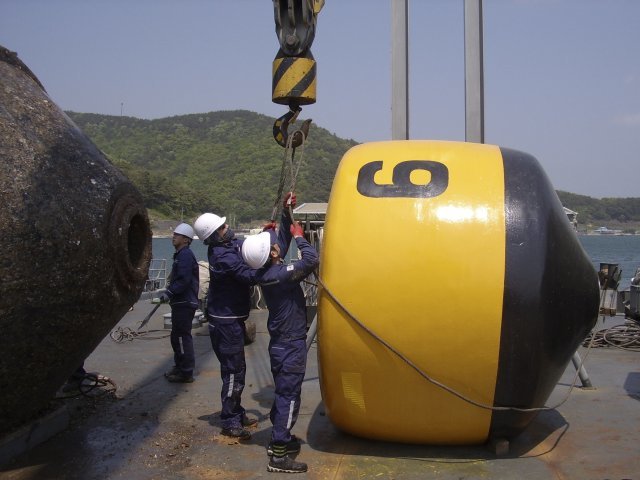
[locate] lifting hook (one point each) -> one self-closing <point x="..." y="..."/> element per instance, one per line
<point x="281" y="128"/>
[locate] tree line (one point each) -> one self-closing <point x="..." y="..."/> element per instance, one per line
<point x="225" y="161"/>
<point x="618" y="211"/>
<point x="228" y="162"/>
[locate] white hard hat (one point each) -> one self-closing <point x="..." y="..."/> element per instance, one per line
<point x="256" y="248"/>
<point x="207" y="223"/>
<point x="184" y="229"/>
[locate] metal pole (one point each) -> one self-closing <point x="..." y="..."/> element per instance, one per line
<point x="399" y="70"/>
<point x="473" y="72"/>
<point x="311" y="333"/>
<point x="582" y="373"/>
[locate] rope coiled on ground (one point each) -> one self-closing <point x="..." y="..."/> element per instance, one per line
<point x="92" y="385"/>
<point x="122" y="334"/>
<point x="625" y="337"/>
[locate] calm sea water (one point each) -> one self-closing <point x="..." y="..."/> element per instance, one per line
<point x="162" y="248"/>
<point x="623" y="250"/>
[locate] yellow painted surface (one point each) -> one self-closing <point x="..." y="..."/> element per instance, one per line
<point x="287" y="85"/>
<point x="426" y="275"/>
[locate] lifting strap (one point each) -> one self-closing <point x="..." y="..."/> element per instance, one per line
<point x="290" y="167"/>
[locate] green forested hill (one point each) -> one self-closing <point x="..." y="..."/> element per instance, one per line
<point x="225" y="162"/>
<point x="618" y="212"/>
<point x="228" y="163"/>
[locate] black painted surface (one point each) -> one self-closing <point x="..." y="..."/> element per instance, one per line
<point x="551" y="295"/>
<point x="76" y="245"/>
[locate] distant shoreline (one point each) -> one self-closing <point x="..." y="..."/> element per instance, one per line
<point x="593" y="233"/>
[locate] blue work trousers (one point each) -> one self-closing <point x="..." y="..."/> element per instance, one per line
<point x="181" y="339"/>
<point x="227" y="340"/>
<point x="288" y="364"/>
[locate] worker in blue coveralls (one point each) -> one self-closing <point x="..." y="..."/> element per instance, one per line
<point x="182" y="295"/>
<point x="228" y="306"/>
<point x="287" y="325"/>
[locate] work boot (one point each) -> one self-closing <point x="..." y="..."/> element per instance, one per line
<point x="292" y="446"/>
<point x="248" y="421"/>
<point x="174" y="371"/>
<point x="180" y="378"/>
<point x="236" y="432"/>
<point x="285" y="464"/>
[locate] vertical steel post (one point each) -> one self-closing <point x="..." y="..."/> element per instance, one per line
<point x="311" y="333"/>
<point x="473" y="72"/>
<point x="399" y="70"/>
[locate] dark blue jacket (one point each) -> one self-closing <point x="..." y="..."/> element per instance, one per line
<point x="184" y="279"/>
<point x="230" y="280"/>
<point x="283" y="237"/>
<point x="284" y="296"/>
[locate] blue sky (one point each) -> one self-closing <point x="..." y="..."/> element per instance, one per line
<point x="562" y="77"/>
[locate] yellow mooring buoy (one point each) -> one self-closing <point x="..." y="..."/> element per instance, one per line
<point x="446" y="263"/>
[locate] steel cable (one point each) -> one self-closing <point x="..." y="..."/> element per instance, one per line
<point x="442" y="385"/>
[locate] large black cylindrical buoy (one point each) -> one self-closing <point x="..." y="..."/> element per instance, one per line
<point x="76" y="245"/>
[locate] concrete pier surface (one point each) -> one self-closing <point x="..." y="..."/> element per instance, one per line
<point x="153" y="429"/>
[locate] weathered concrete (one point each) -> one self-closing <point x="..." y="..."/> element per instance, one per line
<point x="160" y="430"/>
<point x="76" y="245"/>
<point x="33" y="433"/>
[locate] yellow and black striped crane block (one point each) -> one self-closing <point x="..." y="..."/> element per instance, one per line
<point x="294" y="80"/>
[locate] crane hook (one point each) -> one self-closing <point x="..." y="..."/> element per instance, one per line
<point x="281" y="128"/>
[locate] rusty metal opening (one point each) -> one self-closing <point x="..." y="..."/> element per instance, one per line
<point x="130" y="238"/>
<point x="137" y="240"/>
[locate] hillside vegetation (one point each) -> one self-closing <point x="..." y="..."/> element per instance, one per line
<point x="623" y="213"/>
<point x="228" y="163"/>
<point x="224" y="162"/>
